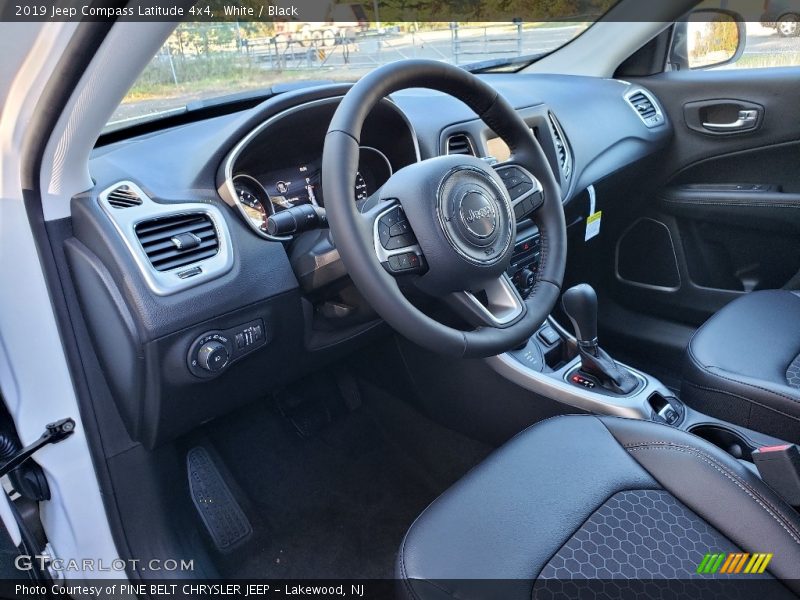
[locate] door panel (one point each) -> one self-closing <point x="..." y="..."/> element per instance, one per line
<point x="727" y="190"/>
<point x="682" y="93"/>
<point x="711" y="218"/>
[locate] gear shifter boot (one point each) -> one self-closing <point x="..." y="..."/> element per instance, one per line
<point x="602" y="367"/>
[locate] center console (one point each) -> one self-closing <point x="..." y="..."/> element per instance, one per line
<point x="574" y="370"/>
<point x="550" y="365"/>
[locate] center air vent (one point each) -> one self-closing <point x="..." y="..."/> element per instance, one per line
<point x="562" y="149"/>
<point x="178" y="240"/>
<point x="646" y="107"/>
<point x="123" y="197"/>
<point x="460" y="143"/>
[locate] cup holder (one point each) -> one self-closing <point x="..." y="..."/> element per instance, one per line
<point x="729" y="440"/>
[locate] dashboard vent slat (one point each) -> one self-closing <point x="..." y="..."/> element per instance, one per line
<point x="123" y="197"/>
<point x="643" y="105"/>
<point x="562" y="150"/>
<point x="460" y="143"/>
<point x="156" y="237"/>
<point x="646" y="107"/>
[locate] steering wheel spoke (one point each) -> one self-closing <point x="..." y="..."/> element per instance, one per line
<point x="497" y="305"/>
<point x="394" y="241"/>
<point x="525" y="190"/>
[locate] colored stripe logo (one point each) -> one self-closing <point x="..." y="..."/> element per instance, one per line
<point x="733" y="563"/>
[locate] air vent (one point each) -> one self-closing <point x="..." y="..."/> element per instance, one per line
<point x="645" y="107"/>
<point x="178" y="240"/>
<point x="460" y="143"/>
<point x="123" y="197"/>
<point x="562" y="150"/>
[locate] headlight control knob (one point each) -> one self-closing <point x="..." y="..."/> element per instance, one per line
<point x="213" y="356"/>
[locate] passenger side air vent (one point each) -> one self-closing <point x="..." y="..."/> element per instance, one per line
<point x="178" y="240"/>
<point x="460" y="143"/>
<point x="123" y="197"/>
<point x="643" y="105"/>
<point x="646" y="107"/>
<point x="562" y="149"/>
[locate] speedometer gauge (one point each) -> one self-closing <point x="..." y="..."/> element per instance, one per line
<point x="361" y="190"/>
<point x="253" y="200"/>
<point x="374" y="169"/>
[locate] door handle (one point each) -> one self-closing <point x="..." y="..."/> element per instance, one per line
<point x="747" y="120"/>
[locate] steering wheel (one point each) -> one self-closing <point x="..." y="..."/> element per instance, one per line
<point x="450" y="220"/>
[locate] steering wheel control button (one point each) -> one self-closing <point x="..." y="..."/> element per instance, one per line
<point x="525" y="191"/>
<point x="394" y="231"/>
<point x="384" y="233"/>
<point x="215" y="351"/>
<point x="399" y="228"/>
<point x="400" y="241"/>
<point x="393" y="217"/>
<point x="408" y="262"/>
<point x="520" y="189"/>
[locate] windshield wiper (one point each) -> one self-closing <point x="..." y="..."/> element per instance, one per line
<point x="503" y="65"/>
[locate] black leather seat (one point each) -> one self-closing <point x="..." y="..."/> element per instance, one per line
<point x="583" y="498"/>
<point x="743" y="365"/>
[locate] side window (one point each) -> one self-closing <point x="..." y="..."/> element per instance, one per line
<point x="714" y="36"/>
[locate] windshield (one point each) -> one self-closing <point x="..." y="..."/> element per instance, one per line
<point x="205" y="60"/>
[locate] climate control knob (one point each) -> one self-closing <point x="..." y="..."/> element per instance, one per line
<point x="213" y="356"/>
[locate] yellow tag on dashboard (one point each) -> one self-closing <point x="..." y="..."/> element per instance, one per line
<point x="593" y="225"/>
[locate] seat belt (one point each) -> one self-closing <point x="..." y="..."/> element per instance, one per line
<point x="779" y="467"/>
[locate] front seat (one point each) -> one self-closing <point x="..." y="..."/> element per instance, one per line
<point x="743" y="365"/>
<point x="594" y="501"/>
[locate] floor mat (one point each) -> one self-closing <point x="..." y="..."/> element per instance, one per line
<point x="335" y="504"/>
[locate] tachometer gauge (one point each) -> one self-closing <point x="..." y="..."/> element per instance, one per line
<point x="361" y="190"/>
<point x="251" y="205"/>
<point x="253" y="200"/>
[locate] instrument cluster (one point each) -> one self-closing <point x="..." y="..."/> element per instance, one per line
<point x="263" y="195"/>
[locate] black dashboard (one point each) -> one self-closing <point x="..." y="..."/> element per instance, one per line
<point x="194" y="308"/>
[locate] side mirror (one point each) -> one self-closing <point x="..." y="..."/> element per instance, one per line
<point x="707" y="38"/>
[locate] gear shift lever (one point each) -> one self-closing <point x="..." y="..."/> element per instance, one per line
<point x="580" y="305"/>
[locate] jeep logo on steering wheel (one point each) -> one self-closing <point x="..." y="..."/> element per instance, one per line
<point x="478" y="214"/>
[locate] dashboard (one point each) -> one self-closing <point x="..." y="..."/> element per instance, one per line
<point x="197" y="309"/>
